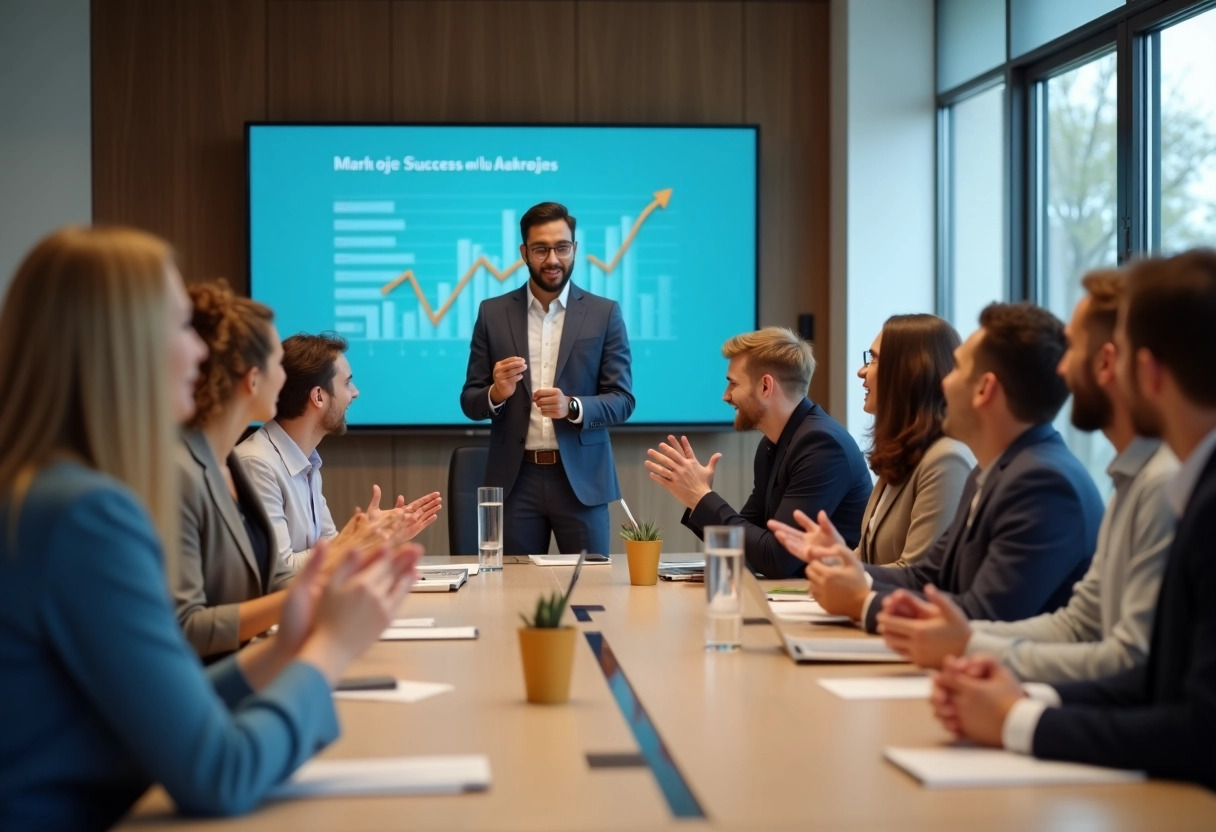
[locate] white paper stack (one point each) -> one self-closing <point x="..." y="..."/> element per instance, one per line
<point x="388" y="775"/>
<point x="966" y="767"/>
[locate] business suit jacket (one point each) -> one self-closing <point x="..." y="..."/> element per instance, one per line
<point x="1159" y="716"/>
<point x="1031" y="538"/>
<point x="593" y="363"/>
<point x="218" y="569"/>
<point x="103" y="696"/>
<point x="920" y="508"/>
<point x="815" y="465"/>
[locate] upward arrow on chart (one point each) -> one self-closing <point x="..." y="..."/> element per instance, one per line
<point x="661" y="198"/>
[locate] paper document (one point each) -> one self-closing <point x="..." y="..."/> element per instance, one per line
<point x="564" y="560"/>
<point x="844" y="650"/>
<point x="966" y="767"/>
<point x="388" y="775"/>
<point x="406" y="691"/>
<point x="692" y="562"/>
<point x="439" y="567"/>
<point x="805" y="609"/>
<point x="412" y="622"/>
<point x="427" y="633"/>
<point x="880" y="687"/>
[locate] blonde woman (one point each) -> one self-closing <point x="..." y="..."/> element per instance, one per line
<point x="103" y="695"/>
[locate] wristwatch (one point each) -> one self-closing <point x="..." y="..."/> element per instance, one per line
<point x="573" y="408"/>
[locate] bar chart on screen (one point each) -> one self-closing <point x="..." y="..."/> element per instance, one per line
<point x="372" y="242"/>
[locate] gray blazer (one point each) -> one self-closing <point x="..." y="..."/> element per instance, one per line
<point x="217" y="566"/>
<point x="920" y="508"/>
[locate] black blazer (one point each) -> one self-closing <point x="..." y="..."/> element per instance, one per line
<point x="1031" y="538"/>
<point x="815" y="465"/>
<point x="1160" y="716"/>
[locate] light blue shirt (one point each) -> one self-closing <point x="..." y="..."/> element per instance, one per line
<point x="102" y="694"/>
<point x="289" y="485"/>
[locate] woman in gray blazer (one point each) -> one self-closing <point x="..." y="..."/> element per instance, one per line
<point x="921" y="472"/>
<point x="230" y="585"/>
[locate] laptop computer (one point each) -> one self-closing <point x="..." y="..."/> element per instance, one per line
<point x="803" y="648"/>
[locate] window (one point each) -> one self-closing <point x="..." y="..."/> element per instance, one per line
<point x="1077" y="221"/>
<point x="975" y="274"/>
<point x="1181" y="168"/>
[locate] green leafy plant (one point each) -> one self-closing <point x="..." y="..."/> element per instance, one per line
<point x="549" y="612"/>
<point x="646" y="530"/>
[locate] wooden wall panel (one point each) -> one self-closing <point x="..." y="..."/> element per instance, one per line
<point x="786" y="73"/>
<point x="330" y="60"/>
<point x="660" y="62"/>
<point x="485" y="61"/>
<point x="173" y="84"/>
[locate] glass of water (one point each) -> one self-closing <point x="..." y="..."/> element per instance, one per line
<point x="724" y="587"/>
<point x="489" y="529"/>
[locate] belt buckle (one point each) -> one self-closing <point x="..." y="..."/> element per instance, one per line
<point x="545" y="457"/>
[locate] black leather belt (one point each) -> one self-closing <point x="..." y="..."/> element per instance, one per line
<point x="542" y="457"/>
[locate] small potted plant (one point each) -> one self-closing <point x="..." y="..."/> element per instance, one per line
<point x="643" y="544"/>
<point x="547" y="649"/>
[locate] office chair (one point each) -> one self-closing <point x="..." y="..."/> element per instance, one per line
<point x="466" y="473"/>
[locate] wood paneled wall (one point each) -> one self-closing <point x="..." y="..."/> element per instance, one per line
<point x="174" y="81"/>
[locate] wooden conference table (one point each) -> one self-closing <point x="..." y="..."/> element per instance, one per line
<point x="747" y="738"/>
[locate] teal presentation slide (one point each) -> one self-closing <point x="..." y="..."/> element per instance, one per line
<point x="393" y="235"/>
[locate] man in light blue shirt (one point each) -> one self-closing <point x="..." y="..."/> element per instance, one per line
<point x="281" y="457"/>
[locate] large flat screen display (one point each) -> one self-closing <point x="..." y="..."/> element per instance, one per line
<point x="393" y="235"/>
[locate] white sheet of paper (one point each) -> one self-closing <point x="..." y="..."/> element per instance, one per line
<point x="564" y="560"/>
<point x="406" y="691"/>
<point x="693" y="560"/>
<point x="388" y="775"/>
<point x="440" y="567"/>
<point x="427" y="633"/>
<point x="412" y="622"/>
<point x="805" y="609"/>
<point x="880" y="687"/>
<point x="845" y="650"/>
<point x="965" y="767"/>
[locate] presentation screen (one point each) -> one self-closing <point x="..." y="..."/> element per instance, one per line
<point x="393" y="235"/>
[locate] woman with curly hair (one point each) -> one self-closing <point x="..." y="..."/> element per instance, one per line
<point x="921" y="471"/>
<point x="231" y="584"/>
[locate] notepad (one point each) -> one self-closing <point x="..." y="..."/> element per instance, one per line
<point x="880" y="687"/>
<point x="967" y="767"/>
<point x="843" y="650"/>
<point x="564" y="560"/>
<point x="427" y="633"/>
<point x="405" y="692"/>
<point x="440" y="580"/>
<point x="389" y="775"/>
<point x="805" y="609"/>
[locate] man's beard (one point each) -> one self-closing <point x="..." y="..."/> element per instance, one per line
<point x="1091" y="408"/>
<point x="334" y="422"/>
<point x="745" y="419"/>
<point x="535" y="274"/>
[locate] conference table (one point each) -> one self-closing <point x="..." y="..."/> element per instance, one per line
<point x="661" y="734"/>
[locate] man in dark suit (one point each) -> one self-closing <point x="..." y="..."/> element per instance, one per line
<point x="1159" y="717"/>
<point x="1028" y="518"/>
<point x="549" y="364"/>
<point x="806" y="460"/>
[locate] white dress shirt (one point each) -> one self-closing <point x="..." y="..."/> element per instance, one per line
<point x="289" y="485"/>
<point x="544" y="342"/>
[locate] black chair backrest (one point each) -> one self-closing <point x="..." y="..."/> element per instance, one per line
<point x="466" y="473"/>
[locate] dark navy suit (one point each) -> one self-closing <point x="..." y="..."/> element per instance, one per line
<point x="593" y="364"/>
<point x="1031" y="536"/>
<point x="815" y="465"/>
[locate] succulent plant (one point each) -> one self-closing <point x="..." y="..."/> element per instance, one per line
<point x="646" y="530"/>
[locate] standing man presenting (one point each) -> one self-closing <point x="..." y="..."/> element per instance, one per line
<point x="549" y="364"/>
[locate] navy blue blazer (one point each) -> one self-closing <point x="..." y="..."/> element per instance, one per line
<point x="815" y="465"/>
<point x="1031" y="538"/>
<point x="1160" y="716"/>
<point x="593" y="363"/>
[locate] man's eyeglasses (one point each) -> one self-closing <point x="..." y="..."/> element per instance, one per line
<point x="868" y="357"/>
<point x="539" y="252"/>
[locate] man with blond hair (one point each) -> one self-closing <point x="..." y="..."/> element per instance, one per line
<point x="806" y="459"/>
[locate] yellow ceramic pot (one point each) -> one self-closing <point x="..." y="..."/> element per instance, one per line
<point x="548" y="656"/>
<point x="643" y="558"/>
